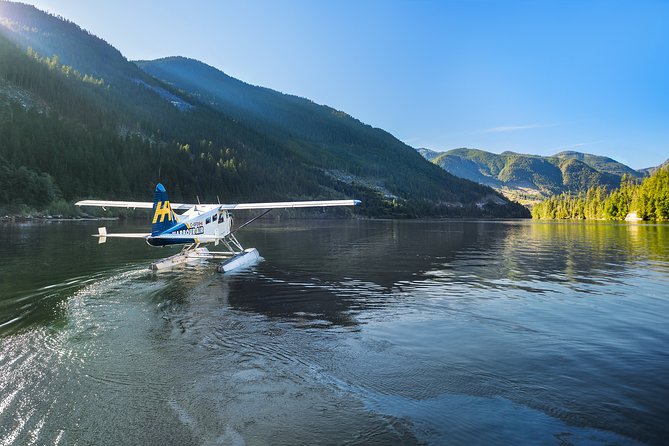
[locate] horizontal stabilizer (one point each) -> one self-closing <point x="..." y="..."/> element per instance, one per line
<point x="102" y="233"/>
<point x="125" y="235"/>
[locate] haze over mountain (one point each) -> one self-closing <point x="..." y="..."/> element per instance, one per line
<point x="86" y="122"/>
<point x="532" y="178"/>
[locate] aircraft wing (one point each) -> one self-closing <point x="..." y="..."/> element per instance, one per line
<point x="175" y="206"/>
<point x="290" y="204"/>
<point x="128" y="204"/>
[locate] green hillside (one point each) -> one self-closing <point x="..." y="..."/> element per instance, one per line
<point x="646" y="199"/>
<point x="78" y="120"/>
<point x="600" y="163"/>
<point x="532" y="178"/>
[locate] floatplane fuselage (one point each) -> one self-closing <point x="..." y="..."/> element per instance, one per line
<point x="197" y="225"/>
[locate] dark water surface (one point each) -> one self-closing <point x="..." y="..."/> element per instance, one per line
<point x="349" y="332"/>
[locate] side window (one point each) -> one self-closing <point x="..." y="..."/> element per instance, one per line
<point x="214" y="217"/>
<point x="207" y="221"/>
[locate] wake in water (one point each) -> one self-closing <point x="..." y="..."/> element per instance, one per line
<point x="47" y="368"/>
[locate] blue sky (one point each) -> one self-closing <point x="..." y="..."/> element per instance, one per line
<point x="527" y="76"/>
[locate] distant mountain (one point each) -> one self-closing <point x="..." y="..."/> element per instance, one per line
<point x="428" y="154"/>
<point x="532" y="178"/>
<point x="651" y="170"/>
<point x="78" y="120"/>
<point x="600" y="163"/>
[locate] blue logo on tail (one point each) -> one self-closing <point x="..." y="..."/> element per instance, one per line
<point x="163" y="217"/>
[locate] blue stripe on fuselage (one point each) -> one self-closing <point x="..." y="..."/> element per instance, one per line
<point x="191" y="233"/>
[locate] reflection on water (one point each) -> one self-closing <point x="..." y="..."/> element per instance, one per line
<point x="356" y="332"/>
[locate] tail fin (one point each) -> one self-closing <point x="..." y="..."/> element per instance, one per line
<point x="163" y="217"/>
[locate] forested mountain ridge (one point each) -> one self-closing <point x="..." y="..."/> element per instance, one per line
<point x="315" y="134"/>
<point x="55" y="37"/>
<point x="84" y="122"/>
<point x="601" y="163"/>
<point x="532" y="178"/>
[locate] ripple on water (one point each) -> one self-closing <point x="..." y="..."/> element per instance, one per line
<point x="512" y="334"/>
<point x="27" y="383"/>
<point x="50" y="375"/>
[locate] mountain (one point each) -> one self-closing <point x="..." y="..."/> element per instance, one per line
<point x="651" y="170"/>
<point x="428" y="154"/>
<point x="30" y="27"/>
<point x="319" y="135"/>
<point x="600" y="163"/>
<point x="78" y="120"/>
<point x="532" y="178"/>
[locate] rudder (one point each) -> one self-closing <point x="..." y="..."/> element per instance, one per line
<point x="162" y="217"/>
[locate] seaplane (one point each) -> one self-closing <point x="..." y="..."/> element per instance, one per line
<point x="199" y="224"/>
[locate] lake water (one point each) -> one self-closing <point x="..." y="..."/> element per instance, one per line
<point x="348" y="332"/>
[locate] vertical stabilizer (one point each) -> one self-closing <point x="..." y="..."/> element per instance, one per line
<point x="162" y="217"/>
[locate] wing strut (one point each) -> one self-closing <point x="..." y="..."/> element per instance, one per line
<point x="250" y="221"/>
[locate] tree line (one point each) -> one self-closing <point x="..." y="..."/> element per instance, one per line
<point x="648" y="198"/>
